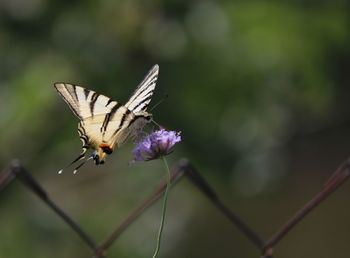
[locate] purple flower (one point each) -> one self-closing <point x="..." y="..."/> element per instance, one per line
<point x="155" y="145"/>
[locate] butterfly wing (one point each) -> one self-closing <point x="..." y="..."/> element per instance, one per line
<point x="141" y="98"/>
<point x="83" y="102"/>
<point x="104" y="128"/>
<point x="93" y="109"/>
<point x="136" y="116"/>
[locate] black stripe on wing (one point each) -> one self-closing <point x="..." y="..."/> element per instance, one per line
<point x="122" y="121"/>
<point x="93" y="100"/>
<point x="86" y="92"/>
<point x="109" y="117"/>
<point x="143" y="104"/>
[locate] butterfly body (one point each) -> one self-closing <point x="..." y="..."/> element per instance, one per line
<point x="105" y="124"/>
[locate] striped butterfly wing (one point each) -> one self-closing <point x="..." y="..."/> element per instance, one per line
<point x="141" y="98"/>
<point x="109" y="127"/>
<point x="85" y="103"/>
<point x="91" y="108"/>
<point x="135" y="117"/>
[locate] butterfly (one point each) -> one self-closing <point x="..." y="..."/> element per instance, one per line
<point x="106" y="124"/>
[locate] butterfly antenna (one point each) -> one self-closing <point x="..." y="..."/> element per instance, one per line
<point x="160" y="101"/>
<point x="80" y="157"/>
<point x="154" y="122"/>
<point x="76" y="169"/>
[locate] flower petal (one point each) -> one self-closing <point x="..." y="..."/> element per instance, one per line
<point x="156" y="144"/>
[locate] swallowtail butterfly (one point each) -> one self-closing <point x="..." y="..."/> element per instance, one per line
<point x="105" y="123"/>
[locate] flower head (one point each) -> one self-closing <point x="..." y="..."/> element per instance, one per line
<point x="156" y="145"/>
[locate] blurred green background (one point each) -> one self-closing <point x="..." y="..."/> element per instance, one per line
<point x="259" y="89"/>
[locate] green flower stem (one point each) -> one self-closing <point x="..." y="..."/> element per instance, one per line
<point x="164" y="207"/>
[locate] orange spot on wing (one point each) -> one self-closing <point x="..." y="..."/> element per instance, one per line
<point x="106" y="148"/>
<point x="104" y="145"/>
